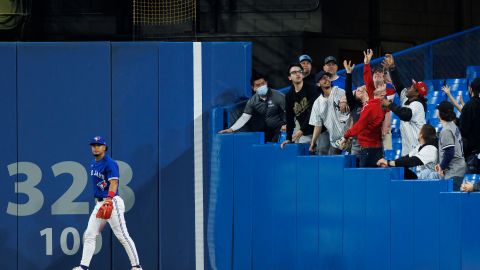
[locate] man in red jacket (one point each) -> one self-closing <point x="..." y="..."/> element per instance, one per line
<point x="368" y="130"/>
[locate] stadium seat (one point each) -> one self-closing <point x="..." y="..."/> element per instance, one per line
<point x="473" y="72"/>
<point x="456" y="81"/>
<point x="472" y="178"/>
<point x="434" y="85"/>
<point x="435" y="99"/>
<point x="431" y="94"/>
<point x="395" y="122"/>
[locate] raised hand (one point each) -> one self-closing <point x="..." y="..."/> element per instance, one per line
<point x="348" y="66"/>
<point x="446" y="89"/>
<point x="367" y="56"/>
<point x="388" y="62"/>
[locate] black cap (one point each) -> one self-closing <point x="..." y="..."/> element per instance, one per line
<point x="320" y="74"/>
<point x="330" y="59"/>
<point x="445" y="107"/>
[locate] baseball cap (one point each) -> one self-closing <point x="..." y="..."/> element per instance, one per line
<point x="320" y="74"/>
<point x="98" y="140"/>
<point x="421" y="88"/>
<point x="445" y="107"/>
<point x="304" y="57"/>
<point x="330" y="59"/>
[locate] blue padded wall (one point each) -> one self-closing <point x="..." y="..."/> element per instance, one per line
<point x="307" y="213"/>
<point x="415" y="229"/>
<point x="243" y="171"/>
<point x="450" y="251"/>
<point x="469" y="228"/>
<point x="60" y="107"/>
<point x="354" y="227"/>
<point x="135" y="96"/>
<point x="220" y="216"/>
<point x="8" y="148"/>
<point x="177" y="224"/>
<point x="330" y="207"/>
<point x="274" y="207"/>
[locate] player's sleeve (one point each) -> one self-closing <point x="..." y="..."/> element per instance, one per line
<point x="112" y="172"/>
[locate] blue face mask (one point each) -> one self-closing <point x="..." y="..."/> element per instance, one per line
<point x="262" y="90"/>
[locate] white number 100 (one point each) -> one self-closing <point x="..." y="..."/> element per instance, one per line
<point x="65" y="205"/>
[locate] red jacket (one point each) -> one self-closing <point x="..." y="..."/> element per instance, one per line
<point x="368" y="128"/>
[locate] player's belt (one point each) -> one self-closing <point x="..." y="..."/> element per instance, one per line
<point x="99" y="199"/>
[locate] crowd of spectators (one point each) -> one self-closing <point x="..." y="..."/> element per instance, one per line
<point x="325" y="111"/>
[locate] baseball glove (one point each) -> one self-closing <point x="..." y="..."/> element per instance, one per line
<point x="105" y="211"/>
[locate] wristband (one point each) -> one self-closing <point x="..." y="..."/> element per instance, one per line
<point x="111" y="194"/>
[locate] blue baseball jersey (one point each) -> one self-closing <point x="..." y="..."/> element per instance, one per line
<point x="101" y="172"/>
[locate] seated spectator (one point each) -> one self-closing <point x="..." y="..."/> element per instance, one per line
<point x="306" y="62"/>
<point x="299" y="101"/>
<point x="470" y="128"/>
<point x="452" y="163"/>
<point x="329" y="110"/>
<point x="266" y="107"/>
<point x="424" y="156"/>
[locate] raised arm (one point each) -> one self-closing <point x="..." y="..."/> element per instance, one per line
<point x="389" y="64"/>
<point x="446" y="90"/>
<point x="348" y="84"/>
<point x="367" y="72"/>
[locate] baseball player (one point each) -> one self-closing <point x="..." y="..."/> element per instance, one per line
<point x="109" y="206"/>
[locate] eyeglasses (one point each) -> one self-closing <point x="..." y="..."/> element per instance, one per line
<point x="296" y="72"/>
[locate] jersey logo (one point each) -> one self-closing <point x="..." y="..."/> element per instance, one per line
<point x="97" y="174"/>
<point x="102" y="185"/>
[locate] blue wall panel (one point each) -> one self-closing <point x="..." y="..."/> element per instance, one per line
<point x="134" y="97"/>
<point x="470" y="231"/>
<point x="377" y="218"/>
<point x="8" y="150"/>
<point x="284" y="212"/>
<point x="354" y="241"/>
<point x="226" y="82"/>
<point x="450" y="248"/>
<point x="244" y="166"/>
<point x="330" y="201"/>
<point x="426" y="227"/>
<point x="307" y="212"/>
<point x="220" y="215"/>
<point x="401" y="229"/>
<point x="63" y="100"/>
<point x="262" y="209"/>
<point x="177" y="223"/>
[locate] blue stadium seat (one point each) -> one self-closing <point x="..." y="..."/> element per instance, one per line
<point x="458" y="87"/>
<point x="472" y="178"/>
<point x="473" y="72"/>
<point x="435" y="99"/>
<point x="395" y="122"/>
<point x="456" y="81"/>
<point x="434" y="85"/>
<point x="431" y="94"/>
<point x="431" y="113"/>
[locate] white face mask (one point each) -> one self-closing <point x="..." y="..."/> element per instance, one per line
<point x="262" y="90"/>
